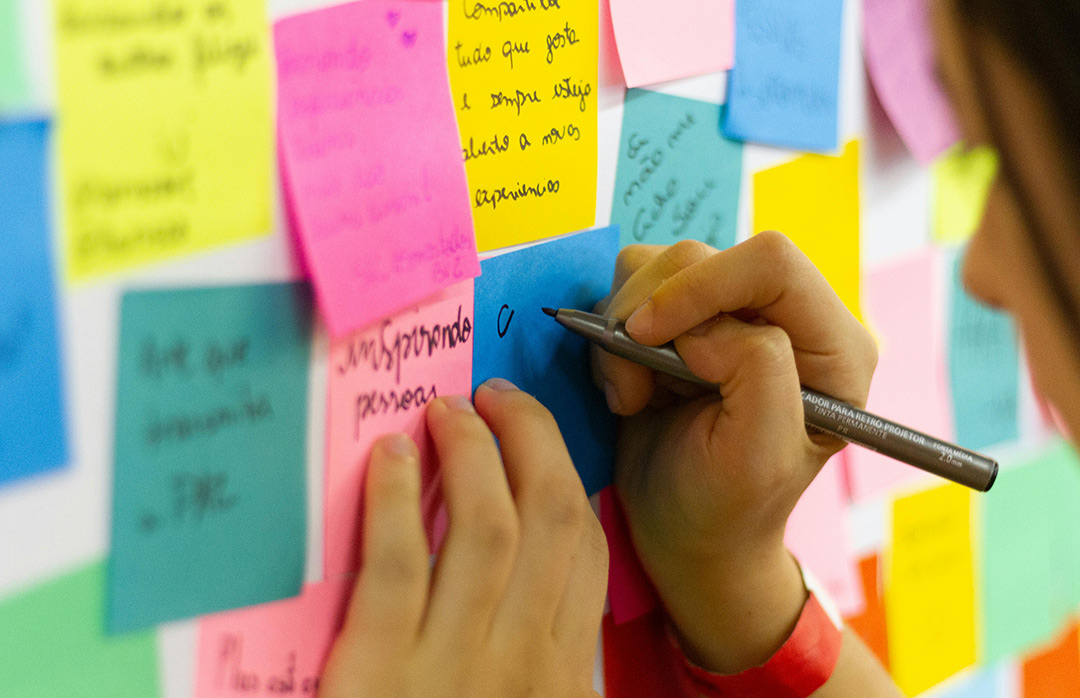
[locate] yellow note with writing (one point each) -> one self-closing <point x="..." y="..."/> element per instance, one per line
<point x="962" y="180"/>
<point x="165" y="128"/>
<point x="930" y="588"/>
<point x="524" y="75"/>
<point x="814" y="200"/>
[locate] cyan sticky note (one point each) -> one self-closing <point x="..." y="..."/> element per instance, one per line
<point x="209" y="485"/>
<point x="515" y="340"/>
<point x="985" y="683"/>
<point x="784" y="87"/>
<point x="678" y="178"/>
<point x="32" y="431"/>
<point x="984" y="370"/>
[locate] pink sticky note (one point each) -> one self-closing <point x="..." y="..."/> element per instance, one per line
<point x="675" y="40"/>
<point x="372" y="155"/>
<point x="381" y="380"/>
<point x="900" y="60"/>
<point x="630" y="593"/>
<point x="902" y="300"/>
<point x="817" y="535"/>
<point x="272" y="649"/>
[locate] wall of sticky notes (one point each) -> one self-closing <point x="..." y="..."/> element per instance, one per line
<point x="239" y="240"/>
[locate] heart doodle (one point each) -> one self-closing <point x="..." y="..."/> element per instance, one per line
<point x="408" y="38"/>
<point x="392" y="18"/>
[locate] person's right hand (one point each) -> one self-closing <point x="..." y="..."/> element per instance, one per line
<point x="708" y="481"/>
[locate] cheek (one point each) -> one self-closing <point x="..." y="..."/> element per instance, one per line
<point x="1055" y="369"/>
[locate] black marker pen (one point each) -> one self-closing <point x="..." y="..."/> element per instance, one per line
<point x="822" y="412"/>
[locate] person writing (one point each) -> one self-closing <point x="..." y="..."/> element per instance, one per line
<point x="513" y="604"/>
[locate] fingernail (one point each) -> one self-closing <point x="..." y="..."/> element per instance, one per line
<point x="500" y="384"/>
<point x="399" y="445"/>
<point x="459" y="403"/>
<point x="613" y="401"/>
<point x="640" y="322"/>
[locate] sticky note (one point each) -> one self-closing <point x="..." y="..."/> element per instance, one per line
<point x="1018" y="567"/>
<point x="515" y="340"/>
<point x="1054" y="671"/>
<point x="53" y="643"/>
<point x="630" y="592"/>
<point x="784" y="87"/>
<point x="677" y="177"/>
<point x="32" y="423"/>
<point x="870" y="623"/>
<point x="910" y="386"/>
<point x="164" y="129"/>
<point x="900" y="58"/>
<point x="1062" y="478"/>
<point x="273" y="649"/>
<point x="209" y="485"/>
<point x="631" y="651"/>
<point x="817" y="536"/>
<point x="14" y="84"/>
<point x="371" y="153"/>
<point x="380" y="381"/>
<point x="961" y="183"/>
<point x="984" y="683"/>
<point x="929" y="588"/>
<point x="524" y="76"/>
<point x="814" y="200"/>
<point x="984" y="370"/>
<point x="679" y="39"/>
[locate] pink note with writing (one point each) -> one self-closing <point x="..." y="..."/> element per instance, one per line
<point x="818" y="536"/>
<point x="372" y="157"/>
<point x="272" y="649"/>
<point x="630" y="593"/>
<point x="673" y="39"/>
<point x="381" y="380"/>
<point x="903" y="304"/>
<point x="900" y="59"/>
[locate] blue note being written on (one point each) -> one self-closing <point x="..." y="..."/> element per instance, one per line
<point x="209" y="488"/>
<point x="984" y="370"/>
<point x="784" y="88"/>
<point x="678" y="178"/>
<point x="32" y="431"/>
<point x="515" y="340"/>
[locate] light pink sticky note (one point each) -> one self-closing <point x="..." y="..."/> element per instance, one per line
<point x="675" y="39"/>
<point x="272" y="649"/>
<point x="372" y="156"/>
<point x="900" y="60"/>
<point x="630" y="593"/>
<point x="817" y="535"/>
<point x="381" y="380"/>
<point x="903" y="304"/>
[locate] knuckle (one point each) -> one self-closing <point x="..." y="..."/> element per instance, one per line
<point x="685" y="253"/>
<point x="770" y="344"/>
<point x="631" y="258"/>
<point x="493" y="529"/>
<point x="779" y="250"/>
<point x="396" y="564"/>
<point x="560" y="502"/>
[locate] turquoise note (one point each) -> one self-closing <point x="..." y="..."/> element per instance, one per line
<point x="209" y="488"/>
<point x="678" y="178"/>
<point x="986" y="683"/>
<point x="14" y="86"/>
<point x="984" y="371"/>
<point x="53" y="643"/>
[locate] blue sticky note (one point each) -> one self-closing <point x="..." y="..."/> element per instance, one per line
<point x="515" y="340"/>
<point x="985" y="683"/>
<point x="984" y="371"/>
<point x="32" y="431"/>
<point x="209" y="485"/>
<point x="678" y="178"/>
<point x="784" y="88"/>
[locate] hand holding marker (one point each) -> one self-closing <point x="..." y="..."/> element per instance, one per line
<point x="822" y="412"/>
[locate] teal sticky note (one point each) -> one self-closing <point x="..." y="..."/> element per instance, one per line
<point x="784" y="88"/>
<point x="984" y="370"/>
<point x="14" y="85"/>
<point x="53" y="643"/>
<point x="1063" y="468"/>
<point x="677" y="178"/>
<point x="209" y="488"/>
<point x="985" y="683"/>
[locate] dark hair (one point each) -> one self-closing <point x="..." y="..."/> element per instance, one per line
<point x="1041" y="36"/>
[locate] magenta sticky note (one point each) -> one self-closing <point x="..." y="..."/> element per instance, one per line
<point x="818" y="537"/>
<point x="273" y="649"/>
<point x="678" y="39"/>
<point x="381" y="380"/>
<point x="903" y="305"/>
<point x="372" y="157"/>
<point x="900" y="59"/>
<point x="630" y="593"/>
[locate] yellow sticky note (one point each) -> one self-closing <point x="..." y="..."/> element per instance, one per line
<point x="524" y="78"/>
<point x="962" y="180"/>
<point x="814" y="200"/>
<point x="930" y="588"/>
<point x="165" y="131"/>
